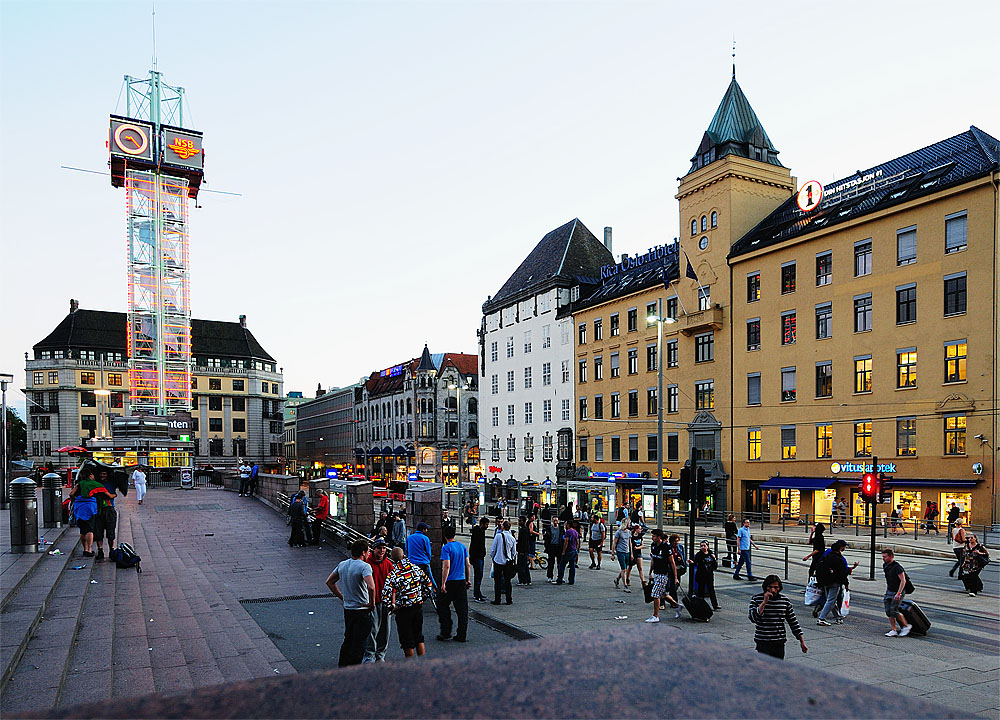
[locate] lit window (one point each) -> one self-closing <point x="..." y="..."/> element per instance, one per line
<point x="824" y="379"/>
<point x="787" y="442"/>
<point x="863" y="374"/>
<point x="753" y="287"/>
<point x="906" y="368"/>
<point x="788" y="328"/>
<point x="824" y="441"/>
<point x="954" y="435"/>
<point x="788" y="278"/>
<point x="753" y="443"/>
<point x="954" y="360"/>
<point x="704" y="395"/>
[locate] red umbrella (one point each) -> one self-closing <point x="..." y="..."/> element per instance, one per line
<point x="73" y="450"/>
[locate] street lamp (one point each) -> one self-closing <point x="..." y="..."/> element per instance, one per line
<point x="659" y="320"/>
<point x="5" y="378"/>
<point x="458" y="425"/>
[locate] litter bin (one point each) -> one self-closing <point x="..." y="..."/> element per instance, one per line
<point x="52" y="501"/>
<point x="187" y="478"/>
<point x="23" y="516"/>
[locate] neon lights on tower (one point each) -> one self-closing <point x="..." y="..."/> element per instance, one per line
<point x="160" y="164"/>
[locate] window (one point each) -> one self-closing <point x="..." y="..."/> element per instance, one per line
<point x="671" y="398"/>
<point x="671" y="353"/>
<point x="54" y="378"/>
<point x="694" y="227"/>
<point x="86" y="378"/>
<point x="581" y="336"/>
<point x="704" y="347"/>
<point x="494" y="384"/>
<point x="598" y="368"/>
<point x="753" y="287"/>
<point x="510" y="347"/>
<point x="704" y="298"/>
<point x="565" y="371"/>
<point x="954" y="435"/>
<point x="824" y="269"/>
<point x="546" y="336"/>
<point x="652" y="453"/>
<point x="954" y="294"/>
<point x="215" y="403"/>
<point x="495" y="412"/>
<point x="615" y="369"/>
<point x="863" y="374"/>
<point x="38" y="378"/>
<point x="863" y="438"/>
<point x="906" y="436"/>
<point x="955" y="233"/>
<point x="715" y="219"/>
<point x="704" y="395"/>
<point x="598" y="329"/>
<point x="616" y="448"/>
<point x="651" y="403"/>
<point x="565" y="332"/>
<point x="753" y="334"/>
<point x="583" y="409"/>
<point x="565" y="409"/>
<point x="216" y="448"/>
<point x="650" y="313"/>
<point x="529" y="448"/>
<point x="863" y="258"/>
<point x="495" y="449"/>
<point x="673" y="451"/>
<point x="906" y="304"/>
<point x="906" y="245"/>
<point x="239" y="404"/>
<point x="238" y="385"/>
<point x="906" y="368"/>
<point x="824" y="379"/>
<point x="633" y="361"/>
<point x="788" y="327"/>
<point x="510" y="414"/>
<point x="787" y="442"/>
<point x="672" y="307"/>
<point x="704" y="223"/>
<point x="788" y="278"/>
<point x="615" y="328"/>
<point x="581" y="375"/>
<point x="511" y="449"/>
<point x="651" y="358"/>
<point x="527" y="378"/>
<point x="824" y="440"/>
<point x="787" y="384"/>
<point x="753" y="443"/>
<point x="633" y="448"/>
<point x="954" y="361"/>
<point x="633" y="403"/>
<point x="547" y="448"/>
<point x="89" y="423"/>
<point x="527" y="341"/>
<point x="599" y="449"/>
<point x="546" y="411"/>
<point x="194" y="383"/>
<point x="583" y="450"/>
<point x="632" y="319"/>
<point x="116" y="400"/>
<point x="616" y="406"/>
<point x="239" y="424"/>
<point x="88" y="355"/>
<point x="546" y="374"/>
<point x="216" y="384"/>
<point x="493" y="358"/>
<point x="510" y="381"/>
<point x="753" y="388"/>
<point x="863" y="313"/>
<point x="824" y="321"/>
<point x="215" y="424"/>
<point x="599" y="407"/>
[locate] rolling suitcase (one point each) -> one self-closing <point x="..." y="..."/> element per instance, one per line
<point x="915" y="616"/>
<point x="698" y="607"/>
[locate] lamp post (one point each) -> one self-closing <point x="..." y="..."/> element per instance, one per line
<point x="5" y="378"/>
<point x="659" y="320"/>
<point x="458" y="425"/>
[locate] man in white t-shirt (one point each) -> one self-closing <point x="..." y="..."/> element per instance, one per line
<point x="244" y="478"/>
<point x="139" y="481"/>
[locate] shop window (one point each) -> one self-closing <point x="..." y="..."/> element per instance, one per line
<point x="824" y="321"/>
<point x="753" y="388"/>
<point x="954" y="294"/>
<point x="824" y="269"/>
<point x="906" y="245"/>
<point x="863" y="374"/>
<point x="824" y="440"/>
<point x="954" y="435"/>
<point x="788" y="278"/>
<point x="863" y="258"/>
<point x="787" y="384"/>
<point x="955" y="239"/>
<point x="753" y="287"/>
<point x="906" y="436"/>
<point x="787" y="442"/>
<point x="906" y="368"/>
<point x="788" y="328"/>
<point x="753" y="334"/>
<point x="863" y="438"/>
<point x="906" y="304"/>
<point x="704" y="395"/>
<point x="753" y="443"/>
<point x="824" y="379"/>
<point x="954" y="361"/>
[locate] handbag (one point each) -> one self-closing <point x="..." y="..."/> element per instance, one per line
<point x="509" y="568"/>
<point x="814" y="593"/>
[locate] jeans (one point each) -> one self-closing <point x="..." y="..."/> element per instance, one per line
<point x="744" y="558"/>
<point x="959" y="554"/>
<point x="244" y="485"/>
<point x="501" y="583"/>
<point x="378" y="638"/>
<point x="568" y="558"/>
<point x="357" y="626"/>
<point x="454" y="594"/>
<point x="427" y="571"/>
<point x="477" y="575"/>
<point x="553" y="555"/>
<point x="832" y="595"/>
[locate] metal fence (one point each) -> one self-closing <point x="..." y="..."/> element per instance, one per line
<point x="171" y="478"/>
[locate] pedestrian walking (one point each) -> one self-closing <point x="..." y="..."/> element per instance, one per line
<point x="322" y="513"/>
<point x="954" y="513"/>
<point x="832" y="574"/>
<point x="842" y="511"/>
<point x="635" y="560"/>
<point x="973" y="561"/>
<point x="418" y="549"/>
<point x="704" y="565"/>
<point x="570" y="551"/>
<point x="660" y="570"/>
<point x="732" y="544"/>
<point x="598" y="533"/>
<point x="378" y="638"/>
<point x="895" y="590"/>
<point x="406" y="590"/>
<point x="553" y="546"/>
<point x="957" y="546"/>
<point x="503" y="555"/>
<point x="769" y="611"/>
<point x="139" y="481"/>
<point x="352" y="582"/>
<point x="930" y="515"/>
<point x="523" y="548"/>
<point x="895" y="520"/>
<point x="477" y="556"/>
<point x="818" y="541"/>
<point x="623" y="552"/>
<point x="455" y="583"/>
<point x="745" y="542"/>
<point x="399" y="530"/>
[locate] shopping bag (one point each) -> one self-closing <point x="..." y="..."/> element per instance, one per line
<point x="814" y="593"/>
<point x="845" y="607"/>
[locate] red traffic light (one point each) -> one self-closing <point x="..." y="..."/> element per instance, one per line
<point x="870" y="487"/>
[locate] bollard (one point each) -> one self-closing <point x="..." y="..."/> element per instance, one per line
<point x="786" y="562"/>
<point x="783" y="526"/>
<point x="23" y="516"/>
<point x="915" y="528"/>
<point x="51" y="501"/>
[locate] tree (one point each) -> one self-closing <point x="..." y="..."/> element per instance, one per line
<point x="17" y="436"/>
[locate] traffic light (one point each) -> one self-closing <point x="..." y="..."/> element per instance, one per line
<point x="885" y="488"/>
<point x="685" y="483"/>
<point x="870" y="487"/>
<point x="700" y="496"/>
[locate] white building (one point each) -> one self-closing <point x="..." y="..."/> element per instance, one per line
<point x="526" y="356"/>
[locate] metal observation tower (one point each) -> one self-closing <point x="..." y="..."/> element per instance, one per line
<point x="161" y="165"/>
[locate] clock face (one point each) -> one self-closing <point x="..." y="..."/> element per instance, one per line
<point x="131" y="139"/>
<point x="703" y="243"/>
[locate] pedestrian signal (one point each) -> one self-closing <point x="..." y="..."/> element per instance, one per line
<point x="870" y="487"/>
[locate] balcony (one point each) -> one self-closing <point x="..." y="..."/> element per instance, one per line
<point x="702" y="320"/>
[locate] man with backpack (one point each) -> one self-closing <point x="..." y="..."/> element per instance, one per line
<point x="832" y="575"/>
<point x="598" y="532"/>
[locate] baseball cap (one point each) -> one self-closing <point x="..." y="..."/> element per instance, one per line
<point x="838" y="545"/>
<point x="423" y="526"/>
<point x="378" y="542"/>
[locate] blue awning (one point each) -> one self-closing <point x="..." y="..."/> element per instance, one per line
<point x="797" y="483"/>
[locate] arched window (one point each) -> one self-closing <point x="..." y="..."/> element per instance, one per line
<point x="452" y="403"/>
<point x="694" y="227"/>
<point x="704" y="223"/>
<point x="409" y="406"/>
<point x="715" y="219"/>
<point x="473" y="406"/>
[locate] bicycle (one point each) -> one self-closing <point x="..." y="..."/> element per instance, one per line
<point x="537" y="561"/>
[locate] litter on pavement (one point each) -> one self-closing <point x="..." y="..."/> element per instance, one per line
<point x="57" y="551"/>
<point x="78" y="567"/>
<point x="621" y="617"/>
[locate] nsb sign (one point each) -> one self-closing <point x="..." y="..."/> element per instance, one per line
<point x="837" y="467"/>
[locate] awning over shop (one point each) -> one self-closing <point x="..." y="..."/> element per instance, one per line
<point x="797" y="483"/>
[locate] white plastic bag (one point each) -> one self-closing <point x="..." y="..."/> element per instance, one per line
<point x="814" y="593"/>
<point x="845" y="607"/>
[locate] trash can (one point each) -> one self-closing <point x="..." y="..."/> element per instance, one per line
<point x="23" y="516"/>
<point x="187" y="478"/>
<point x="52" y="501"/>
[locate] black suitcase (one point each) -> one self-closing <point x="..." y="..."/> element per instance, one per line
<point x="698" y="608"/>
<point x="915" y="617"/>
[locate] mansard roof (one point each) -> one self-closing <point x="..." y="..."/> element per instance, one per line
<point x="734" y="130"/>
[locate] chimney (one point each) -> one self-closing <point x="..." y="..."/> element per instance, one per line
<point x="73" y="305"/>
<point x="607" y="238"/>
<point x="320" y="392"/>
<point x="243" y="321"/>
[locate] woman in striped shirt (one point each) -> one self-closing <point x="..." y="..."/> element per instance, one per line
<point x="769" y="611"/>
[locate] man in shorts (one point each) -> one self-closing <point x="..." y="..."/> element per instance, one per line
<point x="598" y="533"/>
<point x="895" y="588"/>
<point x="660" y="571"/>
<point x="405" y="590"/>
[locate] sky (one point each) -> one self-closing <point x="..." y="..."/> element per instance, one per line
<point x="396" y="161"/>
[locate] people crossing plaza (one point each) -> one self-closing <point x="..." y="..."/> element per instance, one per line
<point x="745" y="541"/>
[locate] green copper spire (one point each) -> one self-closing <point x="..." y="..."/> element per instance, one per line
<point x="735" y="130"/>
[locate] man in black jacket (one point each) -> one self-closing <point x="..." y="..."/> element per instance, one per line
<point x="832" y="574"/>
<point x="477" y="555"/>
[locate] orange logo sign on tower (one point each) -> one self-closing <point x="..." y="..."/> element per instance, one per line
<point x="184" y="148"/>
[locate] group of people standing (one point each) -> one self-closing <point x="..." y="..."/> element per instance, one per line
<point x="307" y="529"/>
<point x="93" y="498"/>
<point x="249" y="477"/>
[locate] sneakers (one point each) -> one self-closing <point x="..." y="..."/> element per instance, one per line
<point x="677" y="615"/>
<point x="100" y="554"/>
<point x="737" y="577"/>
<point x="821" y="621"/>
<point x="628" y="589"/>
<point x="593" y="566"/>
<point x="972" y="594"/>
<point x="653" y="619"/>
<point x="838" y="621"/>
<point x="892" y="633"/>
<point x="617" y="582"/>
<point x="905" y="631"/>
<point x="480" y="599"/>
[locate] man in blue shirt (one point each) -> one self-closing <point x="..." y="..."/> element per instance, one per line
<point x="455" y="572"/>
<point x="418" y="551"/>
<point x="745" y="542"/>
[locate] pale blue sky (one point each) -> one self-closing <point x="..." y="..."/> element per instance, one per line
<point x="397" y="160"/>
